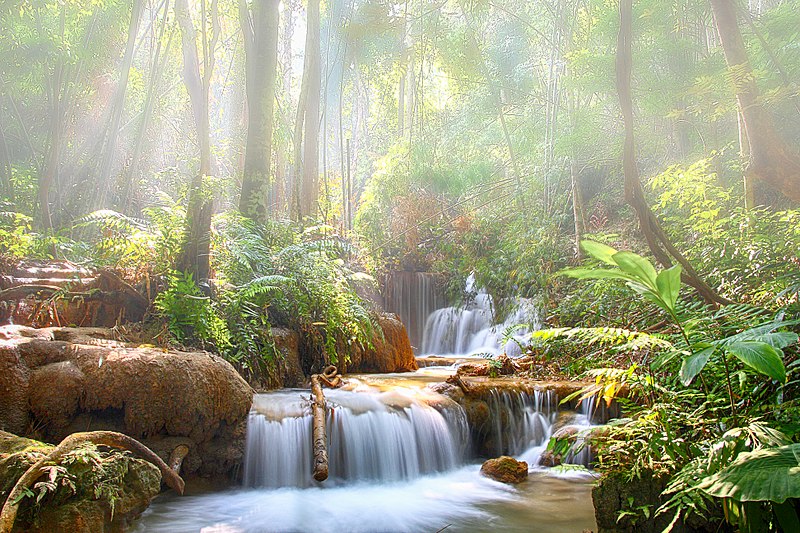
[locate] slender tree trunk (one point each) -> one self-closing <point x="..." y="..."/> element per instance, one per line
<point x="5" y="167"/>
<point x="577" y="207"/>
<point x="49" y="174"/>
<point x="283" y="175"/>
<point x="118" y="104"/>
<point x="657" y="239"/>
<point x="159" y="62"/>
<point x="770" y="159"/>
<point x="260" y="28"/>
<point x="310" y="186"/>
<point x="195" y="256"/>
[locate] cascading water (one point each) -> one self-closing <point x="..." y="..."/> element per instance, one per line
<point x="520" y="420"/>
<point x="398" y="462"/>
<point x="371" y="436"/>
<point x="413" y="296"/>
<point x="471" y="329"/>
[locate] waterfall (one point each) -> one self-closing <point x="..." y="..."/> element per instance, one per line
<point x="471" y="329"/>
<point x="413" y="296"/>
<point x="519" y="420"/>
<point x="371" y="436"/>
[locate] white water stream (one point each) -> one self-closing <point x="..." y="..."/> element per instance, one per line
<point x="401" y="456"/>
<point x="400" y="460"/>
<point x="471" y="329"/>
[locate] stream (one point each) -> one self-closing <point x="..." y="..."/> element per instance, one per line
<point x="401" y="456"/>
<point x="400" y="460"/>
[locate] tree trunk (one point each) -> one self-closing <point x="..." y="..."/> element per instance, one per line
<point x="657" y="239"/>
<point x="118" y="104"/>
<point x="260" y="28"/>
<point x="160" y="59"/>
<point x="195" y="256"/>
<point x="320" y="440"/>
<point x="770" y="159"/>
<point x="577" y="208"/>
<point x="309" y="193"/>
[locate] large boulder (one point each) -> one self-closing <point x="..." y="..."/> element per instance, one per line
<point x="505" y="469"/>
<point x="96" y="491"/>
<point x="390" y="352"/>
<point x="56" y="381"/>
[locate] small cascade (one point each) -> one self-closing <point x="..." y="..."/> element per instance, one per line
<point x="519" y="420"/>
<point x="413" y="296"/>
<point x="471" y="329"/>
<point x="372" y="436"/>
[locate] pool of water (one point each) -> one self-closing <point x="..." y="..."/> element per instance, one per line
<point x="460" y="500"/>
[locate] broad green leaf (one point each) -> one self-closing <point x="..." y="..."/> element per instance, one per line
<point x="767" y="474"/>
<point x="668" y="283"/>
<point x="599" y="251"/>
<point x="637" y="266"/>
<point x="694" y="364"/>
<point x="778" y="339"/>
<point x="761" y="357"/>
<point x="595" y="273"/>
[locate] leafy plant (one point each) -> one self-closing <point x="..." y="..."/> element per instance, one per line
<point x="190" y="314"/>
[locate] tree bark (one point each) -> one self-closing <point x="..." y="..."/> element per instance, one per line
<point x="657" y="240"/>
<point x="771" y="159"/>
<point x="260" y="28"/>
<point x="195" y="256"/>
<point x="320" y="440"/>
<point x="312" y="76"/>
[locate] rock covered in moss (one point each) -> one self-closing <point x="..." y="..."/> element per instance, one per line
<point x="88" y="491"/>
<point x="63" y="380"/>
<point x="505" y="469"/>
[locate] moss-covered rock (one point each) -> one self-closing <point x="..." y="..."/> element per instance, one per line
<point x="505" y="469"/>
<point x="89" y="490"/>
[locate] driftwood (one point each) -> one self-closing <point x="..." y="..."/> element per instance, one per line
<point x="320" y="440"/>
<point x="176" y="458"/>
<point x="103" y="438"/>
<point x="330" y="378"/>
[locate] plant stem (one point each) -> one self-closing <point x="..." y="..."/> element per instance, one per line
<point x="730" y="385"/>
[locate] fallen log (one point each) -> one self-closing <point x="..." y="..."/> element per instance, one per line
<point x="103" y="438"/>
<point x="320" y="440"/>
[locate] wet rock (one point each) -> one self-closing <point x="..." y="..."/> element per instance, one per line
<point x="110" y="491"/>
<point x="505" y="469"/>
<point x="474" y="368"/>
<point x="390" y="352"/>
<point x="88" y="382"/>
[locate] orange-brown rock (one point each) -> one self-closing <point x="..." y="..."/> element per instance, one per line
<point x="63" y="380"/>
<point x="505" y="469"/>
<point x="390" y="352"/>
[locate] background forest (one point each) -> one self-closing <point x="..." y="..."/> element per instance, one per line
<point x="254" y="164"/>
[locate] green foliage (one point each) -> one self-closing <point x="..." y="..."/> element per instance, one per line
<point x="283" y="279"/>
<point x="191" y="316"/>
<point x="766" y="474"/>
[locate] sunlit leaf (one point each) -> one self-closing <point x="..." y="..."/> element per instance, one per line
<point x="761" y="357"/>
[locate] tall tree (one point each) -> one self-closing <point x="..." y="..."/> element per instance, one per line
<point x="770" y="159"/>
<point x="657" y="239"/>
<point x="118" y="104"/>
<point x="260" y="28"/>
<point x="195" y="256"/>
<point x="307" y="125"/>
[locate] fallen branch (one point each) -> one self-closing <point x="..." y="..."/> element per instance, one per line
<point x="176" y="458"/>
<point x="320" y="440"/>
<point x="103" y="438"/>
